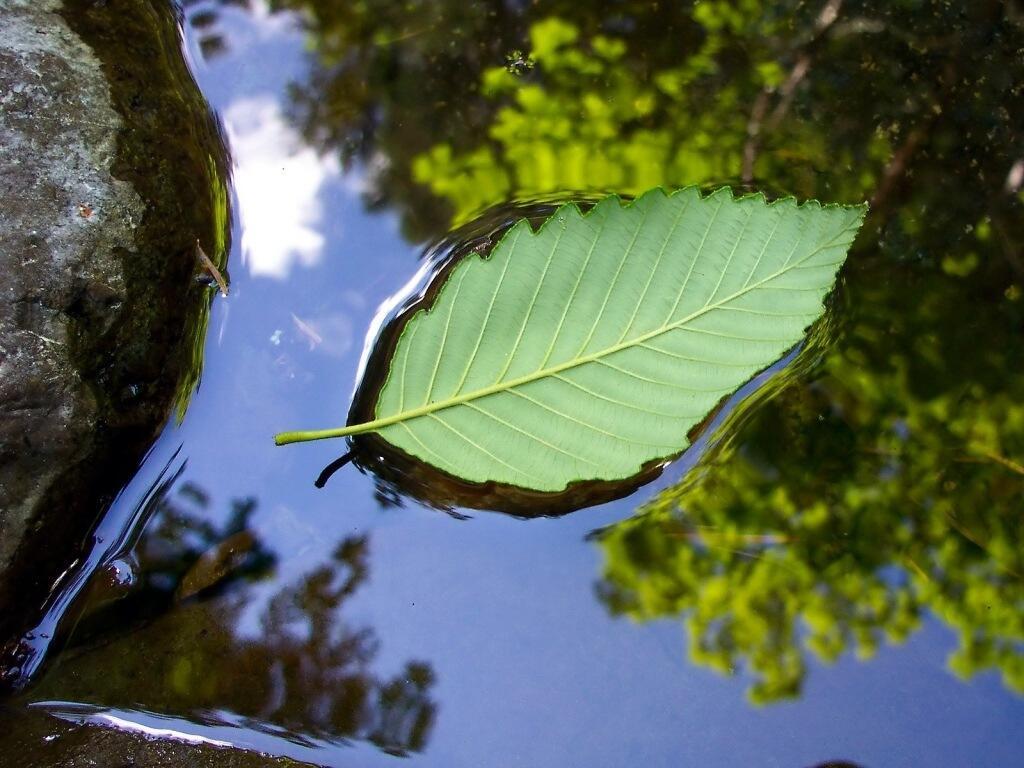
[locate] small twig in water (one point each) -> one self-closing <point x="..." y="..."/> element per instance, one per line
<point x="45" y="339"/>
<point x="756" y="125"/>
<point x="210" y="267"/>
<point x="912" y="564"/>
<point x="1010" y="464"/>
<point x="897" y="166"/>
<point x="308" y="331"/>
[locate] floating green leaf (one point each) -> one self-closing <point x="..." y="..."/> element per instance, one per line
<point x="589" y="348"/>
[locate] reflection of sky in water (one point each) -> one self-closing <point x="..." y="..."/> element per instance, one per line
<point x="278" y="179"/>
<point x="531" y="669"/>
<point x="278" y="182"/>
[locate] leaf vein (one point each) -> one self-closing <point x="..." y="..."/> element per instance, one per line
<point x="673" y="384"/>
<point x="529" y="435"/>
<point x="622" y="403"/>
<point x="533" y="303"/>
<point x="654" y="269"/>
<point x="476" y="445"/>
<point x="734" y="336"/>
<point x="592" y="427"/>
<point x="444" y="337"/>
<point x="676" y="355"/>
<point x="614" y="280"/>
<point x="764" y="248"/>
<point x="732" y="253"/>
<point x="487" y="317"/>
<point x="696" y="258"/>
<point x="438" y="457"/>
<point x="572" y="298"/>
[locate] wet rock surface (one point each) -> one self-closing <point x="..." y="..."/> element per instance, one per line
<point x="111" y="170"/>
<point x="65" y="218"/>
<point x="50" y="743"/>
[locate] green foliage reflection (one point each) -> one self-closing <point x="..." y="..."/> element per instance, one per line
<point x="890" y="485"/>
<point x="835" y="100"/>
<point x="851" y="507"/>
<point x="212" y="631"/>
<point x="595" y="118"/>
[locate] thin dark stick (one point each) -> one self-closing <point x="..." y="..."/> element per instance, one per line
<point x="333" y="467"/>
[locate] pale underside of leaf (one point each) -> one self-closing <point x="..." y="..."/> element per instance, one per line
<point x="590" y="347"/>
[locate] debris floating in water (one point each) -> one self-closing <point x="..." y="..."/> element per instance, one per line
<point x="333" y="467"/>
<point x="210" y="267"/>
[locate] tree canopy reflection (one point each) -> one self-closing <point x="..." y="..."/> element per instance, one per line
<point x="207" y="636"/>
<point x="837" y="99"/>
<point x="853" y="505"/>
<point x="890" y="485"/>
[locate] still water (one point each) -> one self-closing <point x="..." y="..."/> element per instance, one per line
<point x="838" y="575"/>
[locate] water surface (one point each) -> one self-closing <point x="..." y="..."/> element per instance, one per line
<point x="839" y="578"/>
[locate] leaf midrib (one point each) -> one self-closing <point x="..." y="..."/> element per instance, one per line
<point x="502" y="386"/>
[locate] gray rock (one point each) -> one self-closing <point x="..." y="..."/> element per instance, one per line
<point x="65" y="218"/>
<point x="111" y="169"/>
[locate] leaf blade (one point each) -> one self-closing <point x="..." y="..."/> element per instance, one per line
<point x="602" y="324"/>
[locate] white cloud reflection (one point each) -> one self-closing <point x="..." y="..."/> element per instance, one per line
<point x="278" y="181"/>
